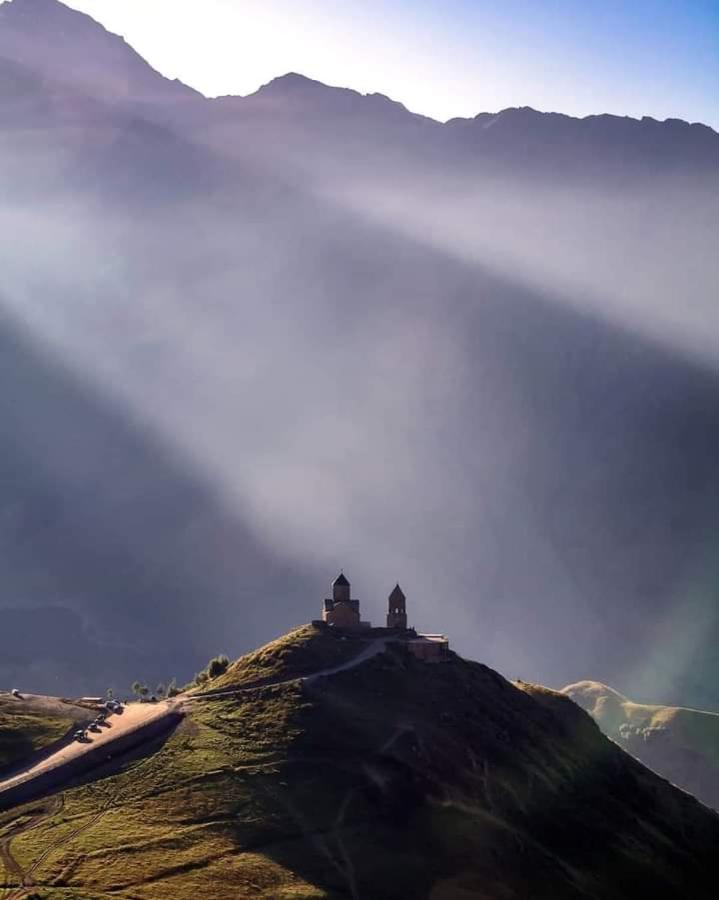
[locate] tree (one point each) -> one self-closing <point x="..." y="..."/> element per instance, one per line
<point x="217" y="666"/>
<point x="137" y="688"/>
<point x="144" y="691"/>
<point x="172" y="688"/>
<point x="160" y="690"/>
<point x="110" y="694"/>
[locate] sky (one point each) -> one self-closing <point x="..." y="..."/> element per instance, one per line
<point x="443" y="58"/>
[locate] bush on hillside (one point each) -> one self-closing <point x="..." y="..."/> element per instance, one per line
<point x="217" y="666"/>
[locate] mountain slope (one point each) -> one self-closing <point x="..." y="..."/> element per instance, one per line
<point x="393" y="779"/>
<point x="61" y="44"/>
<point x="680" y="744"/>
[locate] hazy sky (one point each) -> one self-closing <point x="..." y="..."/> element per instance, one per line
<point x="443" y="58"/>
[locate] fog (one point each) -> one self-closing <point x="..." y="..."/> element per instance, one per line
<point x="243" y="353"/>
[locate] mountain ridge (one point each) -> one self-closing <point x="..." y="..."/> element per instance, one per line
<point x="59" y="41"/>
<point x="54" y="13"/>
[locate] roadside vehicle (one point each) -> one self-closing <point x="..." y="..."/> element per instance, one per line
<point x="15" y="692"/>
<point x="80" y="735"/>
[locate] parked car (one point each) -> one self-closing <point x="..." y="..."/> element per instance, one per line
<point x="80" y="735"/>
<point x="16" y="693"/>
<point x="93" y="726"/>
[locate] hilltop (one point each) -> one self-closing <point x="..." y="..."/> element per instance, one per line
<point x="392" y="779"/>
<point x="680" y="744"/>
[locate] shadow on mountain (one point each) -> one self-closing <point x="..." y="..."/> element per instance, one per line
<point x="118" y="563"/>
<point x="406" y="779"/>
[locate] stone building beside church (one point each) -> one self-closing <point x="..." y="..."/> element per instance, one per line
<point x="341" y="611"/>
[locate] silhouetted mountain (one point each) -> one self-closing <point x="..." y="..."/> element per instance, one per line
<point x="603" y="143"/>
<point x="479" y="357"/>
<point x="70" y="48"/>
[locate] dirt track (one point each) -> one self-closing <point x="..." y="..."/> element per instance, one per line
<point x="135" y="716"/>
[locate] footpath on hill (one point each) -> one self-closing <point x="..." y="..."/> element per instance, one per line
<point x="373" y="648"/>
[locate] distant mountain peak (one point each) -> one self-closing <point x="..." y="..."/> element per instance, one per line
<point x="66" y="46"/>
<point x="293" y="80"/>
<point x="297" y="94"/>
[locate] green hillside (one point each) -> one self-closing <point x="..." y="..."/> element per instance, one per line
<point x="29" y="724"/>
<point x="301" y="652"/>
<point x="389" y="781"/>
<point x="680" y="744"/>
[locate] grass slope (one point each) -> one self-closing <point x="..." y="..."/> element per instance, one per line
<point x="392" y="780"/>
<point x="300" y="652"/>
<point x="32" y="723"/>
<point x="681" y="744"/>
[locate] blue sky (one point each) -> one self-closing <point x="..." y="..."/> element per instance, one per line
<point x="449" y="58"/>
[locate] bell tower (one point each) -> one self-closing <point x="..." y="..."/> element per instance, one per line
<point x="397" y="614"/>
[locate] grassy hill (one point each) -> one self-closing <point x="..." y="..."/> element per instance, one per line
<point x="681" y="744"/>
<point x="300" y="652"/>
<point x="28" y="724"/>
<point x="394" y="779"/>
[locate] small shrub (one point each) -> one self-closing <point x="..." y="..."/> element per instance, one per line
<point x="217" y="666"/>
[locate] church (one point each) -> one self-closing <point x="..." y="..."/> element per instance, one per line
<point x="342" y="611"/>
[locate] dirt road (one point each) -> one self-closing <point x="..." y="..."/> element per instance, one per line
<point x="135" y="716"/>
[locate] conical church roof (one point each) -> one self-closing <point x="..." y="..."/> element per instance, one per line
<point x="340" y="581"/>
<point x="397" y="593"/>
